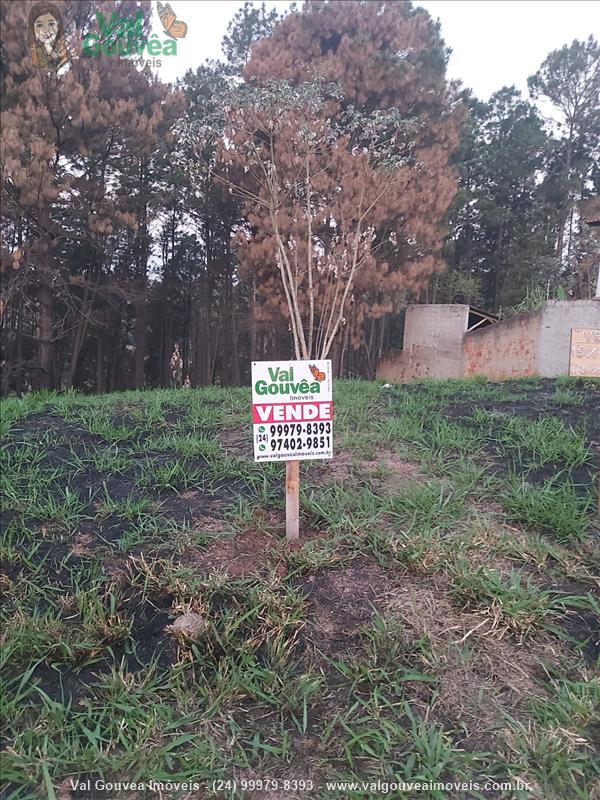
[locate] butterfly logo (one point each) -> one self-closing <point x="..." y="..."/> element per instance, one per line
<point x="174" y="27"/>
<point x="316" y="373"/>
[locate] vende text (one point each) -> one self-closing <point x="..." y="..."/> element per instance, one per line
<point x="292" y="412"/>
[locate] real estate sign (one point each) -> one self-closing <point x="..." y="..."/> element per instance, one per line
<point x="292" y="410"/>
<point x="585" y="352"/>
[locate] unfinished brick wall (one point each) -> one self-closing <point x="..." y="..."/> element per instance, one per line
<point x="507" y="349"/>
<point x="421" y="361"/>
<point x="438" y="345"/>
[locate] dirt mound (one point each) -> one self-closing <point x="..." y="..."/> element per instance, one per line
<point x="242" y="556"/>
<point x="342" y="601"/>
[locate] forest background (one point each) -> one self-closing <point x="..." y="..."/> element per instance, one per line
<point x="148" y="228"/>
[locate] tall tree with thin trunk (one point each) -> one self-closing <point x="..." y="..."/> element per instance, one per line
<point x="381" y="56"/>
<point x="313" y="187"/>
<point x="569" y="79"/>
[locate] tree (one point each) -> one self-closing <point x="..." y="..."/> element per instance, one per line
<point x="68" y="137"/>
<point x="214" y="214"/>
<point x="320" y="224"/>
<point x="217" y="327"/>
<point x="498" y="236"/>
<point x="250" y="24"/>
<point x="570" y="79"/>
<point x="382" y="56"/>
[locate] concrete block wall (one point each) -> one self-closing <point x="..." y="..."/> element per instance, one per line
<point x="537" y="343"/>
<point x="432" y="344"/>
<point x="421" y="361"/>
<point x="435" y="324"/>
<point x="557" y="320"/>
<point x="437" y="344"/>
<point x="394" y="366"/>
<point x="506" y="349"/>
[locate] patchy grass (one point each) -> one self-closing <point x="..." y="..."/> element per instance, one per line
<point x="508" y="602"/>
<point x="438" y="621"/>
<point x="554" y="507"/>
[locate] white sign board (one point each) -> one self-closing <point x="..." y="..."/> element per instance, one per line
<point x="292" y="410"/>
<point x="585" y="352"/>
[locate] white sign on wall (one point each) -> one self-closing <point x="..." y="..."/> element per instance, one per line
<point x="292" y="410"/>
<point x="585" y="352"/>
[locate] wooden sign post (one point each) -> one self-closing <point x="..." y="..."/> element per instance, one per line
<point x="292" y="420"/>
<point x="292" y="500"/>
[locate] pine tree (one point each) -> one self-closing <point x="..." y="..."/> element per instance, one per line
<point x="67" y="138"/>
<point x="497" y="236"/>
<point x="570" y="79"/>
<point x="381" y="56"/>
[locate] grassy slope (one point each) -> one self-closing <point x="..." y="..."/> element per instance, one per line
<point x="440" y="620"/>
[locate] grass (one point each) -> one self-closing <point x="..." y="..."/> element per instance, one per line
<point x="543" y="442"/>
<point x="509" y="602"/>
<point x="554" y="507"/>
<point x="438" y="621"/>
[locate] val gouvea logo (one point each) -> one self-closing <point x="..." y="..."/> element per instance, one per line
<point x="124" y="37"/>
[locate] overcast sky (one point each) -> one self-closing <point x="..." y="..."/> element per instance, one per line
<point x="494" y="42"/>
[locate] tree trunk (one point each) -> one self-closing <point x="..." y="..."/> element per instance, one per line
<point x="19" y="351"/>
<point x="116" y="356"/>
<point x="162" y="345"/>
<point x="207" y="359"/>
<point x="235" y="357"/>
<point x="565" y="212"/>
<point x="100" y="363"/>
<point x="498" y="275"/>
<point x="335" y="353"/>
<point x="46" y="334"/>
<point x="346" y="336"/>
<point x="140" y="340"/>
<point x="79" y="336"/>
<point x="142" y="253"/>
<point x="252" y="321"/>
<point x="230" y="368"/>
<point x="381" y="341"/>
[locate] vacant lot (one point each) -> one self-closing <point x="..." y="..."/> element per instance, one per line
<point x="439" y="620"/>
